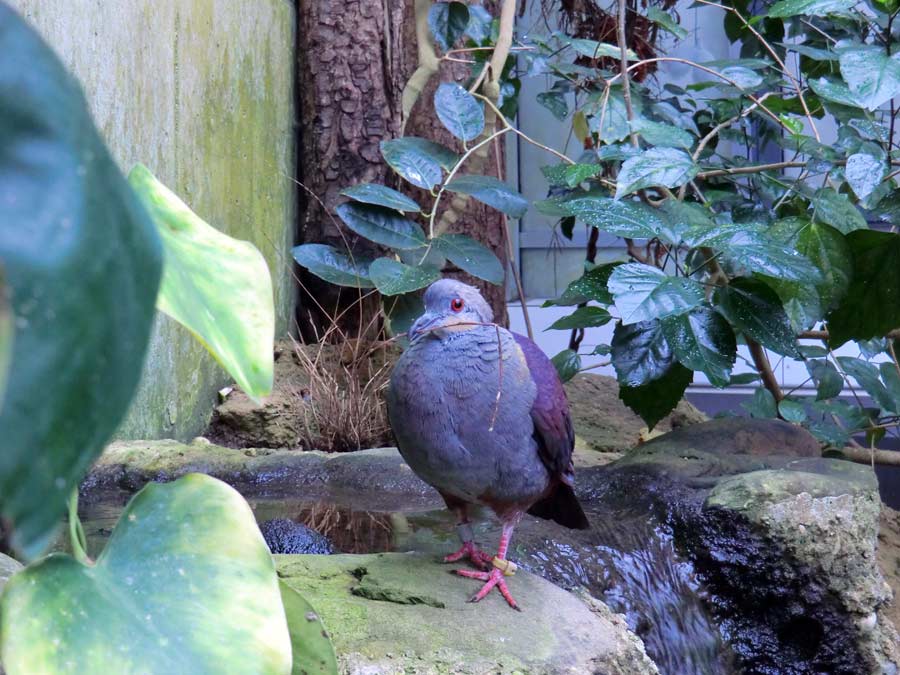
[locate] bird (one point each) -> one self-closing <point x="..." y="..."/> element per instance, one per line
<point x="480" y="414"/>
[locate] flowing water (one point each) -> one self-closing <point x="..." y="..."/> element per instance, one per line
<point x="627" y="559"/>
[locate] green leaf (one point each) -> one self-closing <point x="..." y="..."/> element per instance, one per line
<point x="570" y="175"/>
<point x="872" y="75"/>
<point x="381" y="225"/>
<point x="555" y="102"/>
<point x="762" y="405"/>
<point x="470" y="256"/>
<point x="864" y="172"/>
<point x="448" y="22"/>
<point x="792" y="411"/>
<point x="814" y="53"/>
<point x="742" y="77"/>
<point x="754" y="308"/>
<point x="372" y="193"/>
<point x="663" y="135"/>
<point x="334" y="266"/>
<point x="743" y="378"/>
<point x="829" y="382"/>
<point x="657" y="166"/>
<point x="217" y="287"/>
<point x="491" y="191"/>
<point x="871" y="306"/>
<point x="583" y="317"/>
<point x="868" y="377"/>
<point x="621" y="218"/>
<point x="310" y="647"/>
<point x="590" y="286"/>
<point x="82" y="263"/>
<point x="610" y="120"/>
<point x="644" y="293"/>
<point x="459" y="111"/>
<point x="184" y="585"/>
<point x="759" y="253"/>
<point x="890" y="376"/>
<point x="598" y="50"/>
<point x="401" y="311"/>
<point x="567" y="364"/>
<point x="655" y="400"/>
<point x="7" y="330"/>
<point x="786" y="8"/>
<point x="834" y="90"/>
<point x="665" y="20"/>
<point x="836" y="210"/>
<point x="702" y="340"/>
<point x="393" y="278"/>
<point x="418" y="160"/>
<point x="640" y="353"/>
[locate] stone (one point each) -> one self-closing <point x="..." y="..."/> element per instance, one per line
<point x="395" y="613"/>
<point x="286" y="536"/>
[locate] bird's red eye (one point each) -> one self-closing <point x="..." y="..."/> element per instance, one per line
<point x="456" y="304"/>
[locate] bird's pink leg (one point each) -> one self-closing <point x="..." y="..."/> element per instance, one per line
<point x="496" y="577"/>
<point x="468" y="549"/>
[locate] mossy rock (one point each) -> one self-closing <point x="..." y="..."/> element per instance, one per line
<point x="406" y="613"/>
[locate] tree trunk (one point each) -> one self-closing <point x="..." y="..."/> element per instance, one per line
<point x="354" y="59"/>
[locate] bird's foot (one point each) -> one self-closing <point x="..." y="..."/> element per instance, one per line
<point x="469" y="550"/>
<point x="493" y="578"/>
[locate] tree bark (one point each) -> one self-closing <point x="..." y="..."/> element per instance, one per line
<point x="354" y="59"/>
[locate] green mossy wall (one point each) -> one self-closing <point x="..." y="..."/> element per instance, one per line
<point x="201" y="91"/>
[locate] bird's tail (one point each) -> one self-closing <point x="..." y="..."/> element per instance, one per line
<point x="561" y="506"/>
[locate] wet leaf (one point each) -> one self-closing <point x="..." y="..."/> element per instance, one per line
<point x="754" y="308"/>
<point x="372" y="193"/>
<point x="658" y="16"/>
<point x="658" y="398"/>
<point x="448" y="22"/>
<point x="864" y="172"/>
<point x="555" y="102"/>
<point x="567" y="364"/>
<point x="583" y="317"/>
<point x="311" y="649"/>
<point x="598" y="50"/>
<point x="702" y="340"/>
<point x="792" y="411"/>
<point x="662" y="135"/>
<point x="459" y="111"/>
<point x="786" y="8"/>
<point x="668" y="167"/>
<point x="621" y="218"/>
<point x="82" y="263"/>
<point x="393" y="278"/>
<point x="181" y="582"/>
<point x="470" y="256"/>
<point x="890" y="376"/>
<point x="872" y="75"/>
<point x="834" y="90"/>
<point x="491" y="191"/>
<point x="217" y="287"/>
<point x="382" y="225"/>
<point x="334" y="266"/>
<point x="644" y="293"/>
<point x="418" y="160"/>
<point x="640" y="353"/>
<point x="868" y="377"/>
<point x="836" y="210"/>
<point x="570" y="175"/>
<point x="762" y="405"/>
<point x="829" y="382"/>
<point x="590" y="286"/>
<point x="871" y="306"/>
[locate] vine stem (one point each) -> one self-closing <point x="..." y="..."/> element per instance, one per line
<point x="623" y="68"/>
<point x="76" y="532"/>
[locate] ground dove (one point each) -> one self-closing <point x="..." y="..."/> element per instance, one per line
<point x="480" y="414"/>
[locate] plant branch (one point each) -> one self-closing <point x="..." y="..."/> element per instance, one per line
<point x="872" y="456"/>
<point x="623" y="67"/>
<point x="823" y="334"/>
<point x="761" y="361"/>
<point x="429" y="63"/>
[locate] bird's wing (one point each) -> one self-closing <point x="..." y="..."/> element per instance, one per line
<point x="553" y="428"/>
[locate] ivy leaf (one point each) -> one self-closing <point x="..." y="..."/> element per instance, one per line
<point x="570" y="175"/>
<point x="459" y="111"/>
<point x="382" y="225"/>
<point x="754" y="308"/>
<point x="829" y="382"/>
<point x="836" y="210"/>
<point x="872" y="75"/>
<point x="470" y="256"/>
<point x="644" y="293"/>
<point x="590" y="286"/>
<point x="418" y="160"/>
<point x="622" y="218"/>
<point x="583" y="317"/>
<point x="658" y="398"/>
<point x="864" y="172"/>
<point x="665" y="21"/>
<point x="491" y="191"/>
<point x="703" y="340"/>
<point x="448" y="22"/>
<point x="334" y="266"/>
<point x="393" y="278"/>
<point x="762" y="405"/>
<point x="662" y="135"/>
<point x="867" y="376"/>
<point x="786" y="8"/>
<point x="743" y="78"/>
<point x="380" y="195"/>
<point x="871" y="306"/>
<point x="567" y="364"/>
<point x="640" y="353"/>
<point x="657" y="166"/>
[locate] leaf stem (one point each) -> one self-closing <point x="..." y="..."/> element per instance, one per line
<point x="76" y="532"/>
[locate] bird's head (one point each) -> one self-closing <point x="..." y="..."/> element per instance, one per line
<point x="451" y="306"/>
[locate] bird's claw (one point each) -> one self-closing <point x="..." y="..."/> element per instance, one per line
<point x="493" y="578"/>
<point x="469" y="550"/>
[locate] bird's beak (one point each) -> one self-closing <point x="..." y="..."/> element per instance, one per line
<point x="422" y="325"/>
<point x="439" y="325"/>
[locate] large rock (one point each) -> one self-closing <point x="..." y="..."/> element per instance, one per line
<point x="404" y="613"/>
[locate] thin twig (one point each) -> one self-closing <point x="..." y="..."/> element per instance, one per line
<point x="623" y="68"/>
